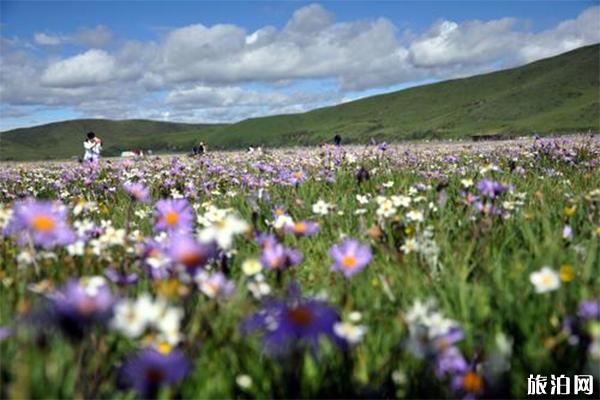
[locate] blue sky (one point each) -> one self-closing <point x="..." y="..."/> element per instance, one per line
<point x="225" y="61"/>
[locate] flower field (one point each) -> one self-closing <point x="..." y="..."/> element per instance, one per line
<point x="382" y="271"/>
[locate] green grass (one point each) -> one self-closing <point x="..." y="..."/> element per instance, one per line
<point x="483" y="283"/>
<point x="551" y="96"/>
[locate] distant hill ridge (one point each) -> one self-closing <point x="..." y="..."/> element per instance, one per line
<point x="555" y="95"/>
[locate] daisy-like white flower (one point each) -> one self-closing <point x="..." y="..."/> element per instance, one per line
<point x="415" y="216"/>
<point x="223" y="231"/>
<point x="362" y="199"/>
<point x="251" y="266"/>
<point x="401" y="201"/>
<point x="353" y="334"/>
<point x="545" y="280"/>
<point x="321" y="207"/>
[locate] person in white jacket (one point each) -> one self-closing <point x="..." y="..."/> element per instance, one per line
<point x="92" y="146"/>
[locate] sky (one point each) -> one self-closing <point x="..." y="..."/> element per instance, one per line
<point x="201" y="61"/>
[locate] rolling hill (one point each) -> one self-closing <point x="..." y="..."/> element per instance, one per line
<point x="555" y="95"/>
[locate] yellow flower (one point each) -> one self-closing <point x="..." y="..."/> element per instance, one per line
<point x="597" y="230"/>
<point x="569" y="211"/>
<point x="566" y="273"/>
<point x="409" y="230"/>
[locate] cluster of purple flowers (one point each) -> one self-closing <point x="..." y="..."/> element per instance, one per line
<point x="292" y="322"/>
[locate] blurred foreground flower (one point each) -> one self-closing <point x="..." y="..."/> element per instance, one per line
<point x="42" y="223"/>
<point x="149" y="370"/>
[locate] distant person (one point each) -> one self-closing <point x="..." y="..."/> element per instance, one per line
<point x="337" y="139"/>
<point x="93" y="146"/>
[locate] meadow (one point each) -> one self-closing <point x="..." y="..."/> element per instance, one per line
<point x="378" y="271"/>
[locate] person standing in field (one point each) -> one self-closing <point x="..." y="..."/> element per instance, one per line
<point x="93" y="146"/>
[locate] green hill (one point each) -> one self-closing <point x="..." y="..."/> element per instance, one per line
<point x="555" y="95"/>
<point x="64" y="139"/>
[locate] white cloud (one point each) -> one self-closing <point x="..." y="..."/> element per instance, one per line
<point x="201" y="72"/>
<point x="96" y="37"/>
<point x="47" y="40"/>
<point x="90" y="68"/>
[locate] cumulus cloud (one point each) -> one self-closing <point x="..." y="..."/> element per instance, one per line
<point x="203" y="72"/>
<point x="96" y="37"/>
<point x="90" y="68"/>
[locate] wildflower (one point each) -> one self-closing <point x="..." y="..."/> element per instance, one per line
<point x="280" y="257"/>
<point x="466" y="183"/>
<point x="189" y="253"/>
<point x="362" y="199"/>
<point x="302" y="228"/>
<point x="173" y="216"/>
<point x="243" y="381"/>
<point x="137" y="191"/>
<point x="251" y="266"/>
<point x="566" y="273"/>
<point x="81" y="303"/>
<point x="215" y="285"/>
<point x="567" y="232"/>
<point x="223" y="231"/>
<point x="321" y="207"/>
<point x="415" y="216"/>
<point x="491" y="189"/>
<point x="352" y="334"/>
<point x="293" y="321"/>
<point x="545" y="280"/>
<point x="41" y="222"/>
<point x="148" y="370"/>
<point x="350" y="257"/>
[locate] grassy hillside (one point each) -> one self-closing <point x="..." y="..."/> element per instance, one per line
<point x="64" y="139"/>
<point x="556" y="95"/>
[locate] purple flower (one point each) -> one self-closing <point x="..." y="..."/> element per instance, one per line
<point x="567" y="232"/>
<point x="173" y="215"/>
<point x="294" y="321"/>
<point x="148" y="370"/>
<point x="120" y="279"/>
<point x="350" y="257"/>
<point x="215" y="286"/>
<point x="469" y="383"/>
<point x="137" y="191"/>
<point x="589" y="309"/>
<point x="450" y="362"/>
<point x="278" y="256"/>
<point x="81" y="303"/>
<point x="186" y="251"/>
<point x="302" y="228"/>
<point x="265" y="240"/>
<point x="41" y="222"/>
<point x="491" y="189"/>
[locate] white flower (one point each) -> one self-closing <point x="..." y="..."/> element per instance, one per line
<point x="282" y="221"/>
<point x="415" y="216"/>
<point x="251" y="266"/>
<point x="351" y="333"/>
<point x="224" y="230"/>
<point x="410" y="245"/>
<point x="25" y="258"/>
<point x="388" y="184"/>
<point x="129" y="319"/>
<point x="244" y="381"/>
<point x="321" y="207"/>
<point x="362" y="199"/>
<point x="401" y="201"/>
<point x="355" y="316"/>
<point x="545" y="280"/>
<point x="386" y="208"/>
<point x="5" y="216"/>
<point x="77" y="248"/>
<point x="466" y="183"/>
